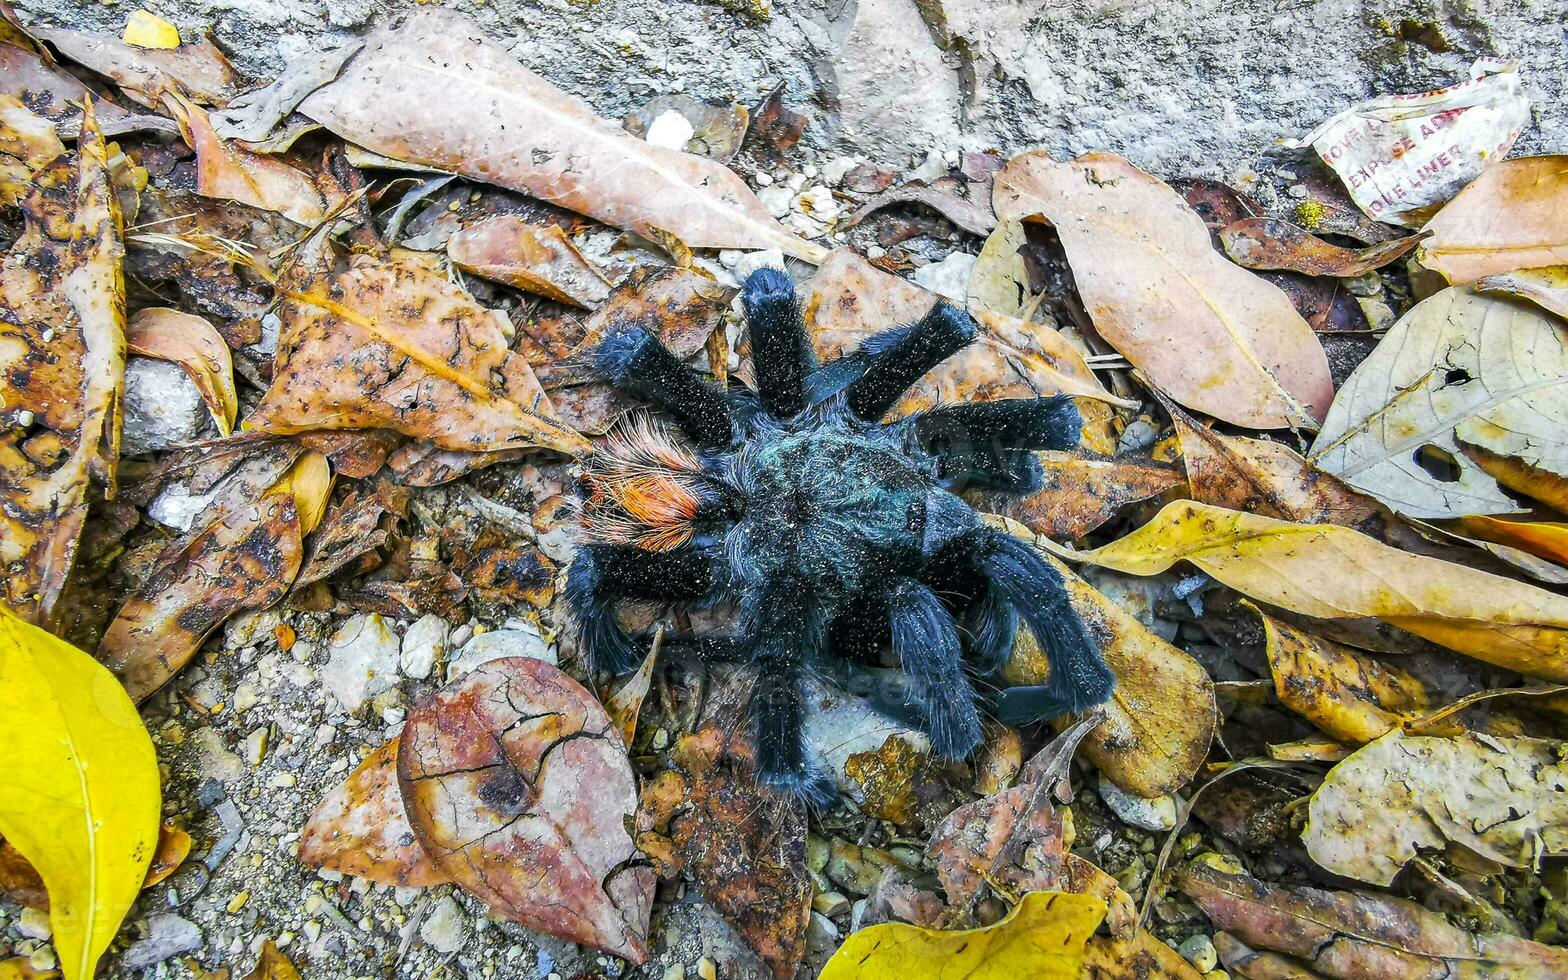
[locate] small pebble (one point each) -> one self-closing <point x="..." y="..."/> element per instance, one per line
<point x="446" y="928"/>
<point x="707" y="969"/>
<point x="238" y="902"/>
<point x="1296" y="191"/>
<point x="34" y="924"/>
<point x="255" y="747"/>
<point x="1199" y="951"/>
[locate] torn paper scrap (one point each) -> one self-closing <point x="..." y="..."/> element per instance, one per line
<point x="1403" y="155"/>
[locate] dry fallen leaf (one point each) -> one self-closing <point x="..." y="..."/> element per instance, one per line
<point x="272" y="965"/>
<point x="976" y="219"/>
<point x="1269" y="243"/>
<point x="536" y="258"/>
<point x="1241" y="960"/>
<point x="1214" y="336"/>
<point x="1081" y="492"/>
<point x="194" y="345"/>
<point x="62" y="367"/>
<point x="1331" y="572"/>
<point x="54" y="93"/>
<point x="229" y="173"/>
<point x="430" y="89"/>
<point x="1546" y="287"/>
<point x="197" y="68"/>
<point x="1505" y="799"/>
<point x="518" y="787"/>
<point x="393" y="344"/>
<point x="361" y="829"/>
<point x="718" y="129"/>
<point x="1460" y="366"/>
<point x="1513" y="216"/>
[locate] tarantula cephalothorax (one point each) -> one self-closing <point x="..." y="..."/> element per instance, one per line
<point x="837" y="534"/>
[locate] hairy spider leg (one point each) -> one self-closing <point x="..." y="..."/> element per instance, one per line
<point x="989" y="445"/>
<point x="602" y="573"/>
<point x="925" y="639"/>
<point x="639" y="362"/>
<point x="891" y="369"/>
<point x="781" y="351"/>
<point x="786" y="631"/>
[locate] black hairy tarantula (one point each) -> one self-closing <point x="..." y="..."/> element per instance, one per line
<point x="835" y="532"/>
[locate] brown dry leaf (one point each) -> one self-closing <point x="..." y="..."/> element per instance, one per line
<point x="626" y="703"/>
<point x="999" y="280"/>
<point x="193" y="344"/>
<point x="393" y="344"/>
<point x="1505" y="799"/>
<point x="1331" y="572"/>
<point x="361" y="829"/>
<point x="1270" y="243"/>
<point x="242" y="553"/>
<point x="351" y="531"/>
<point x="1323" y="302"/>
<point x="62" y="369"/>
<point x="430" y="89"/>
<point x="273" y="965"/>
<point x="518" y="787"/>
<point x="976" y="219"/>
<point x="1546" y="287"/>
<point x="1161" y="717"/>
<point x="1141" y="956"/>
<point x="228" y="173"/>
<point x="1214" y="336"/>
<point x="1354" y="935"/>
<point x="1241" y="960"/>
<point x="1519" y="476"/>
<point x="775" y="128"/>
<point x="849" y="300"/>
<point x="57" y="95"/>
<point x="1513" y="216"/>
<point x="1081" y="492"/>
<point x="30" y="139"/>
<point x="174" y="846"/>
<point x="1348" y="695"/>
<point x="354" y="455"/>
<point x="744" y="848"/>
<point x="536" y="258"/>
<point x="1460" y="366"/>
<point x="197" y="68"/>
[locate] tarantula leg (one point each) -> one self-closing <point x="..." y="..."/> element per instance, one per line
<point x="1008" y="423"/>
<point x="640" y="363"/>
<point x="780" y="350"/>
<point x="1079" y="677"/>
<point x="926" y="642"/>
<point x="602" y="573"/>
<point x="785" y="632"/>
<point x="892" y="369"/>
<point x="993" y="625"/>
<point x="1007" y="471"/>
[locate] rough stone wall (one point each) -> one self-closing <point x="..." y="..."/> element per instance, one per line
<point x="1180" y="86"/>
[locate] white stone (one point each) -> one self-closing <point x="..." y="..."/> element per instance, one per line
<point x="776" y="200"/>
<point x="446" y="927"/>
<point x="749" y="262"/>
<point x="249" y="629"/>
<point x="522" y="641"/>
<point x="177" y="507"/>
<point x="362" y="661"/>
<point x="34" y="924"/>
<point x="162" y="407"/>
<point x="949" y="277"/>
<point x="670" y="130"/>
<point x="820" y="203"/>
<point x="426" y="642"/>
<point x="255" y="747"/>
<point x="1156" y="814"/>
<point x="217" y="760"/>
<point x="834" y="170"/>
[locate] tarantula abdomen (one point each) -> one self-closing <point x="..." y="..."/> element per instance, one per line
<point x="838" y="535"/>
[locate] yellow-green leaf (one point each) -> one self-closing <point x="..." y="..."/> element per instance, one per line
<point x="82" y="797"/>
<point x="1042" y="938"/>
<point x="145" y="29"/>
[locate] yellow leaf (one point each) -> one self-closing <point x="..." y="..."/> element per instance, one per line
<point x="1042" y="938"/>
<point x="1544" y="539"/>
<point x="82" y="797"/>
<point x="273" y="965"/>
<point x="1333" y="572"/>
<point x="147" y="30"/>
<point x="311" y="481"/>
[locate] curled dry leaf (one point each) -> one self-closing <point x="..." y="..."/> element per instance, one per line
<point x="1324" y="302"/>
<point x="1351" y="935"/>
<point x="251" y="117"/>
<point x="430" y="89"/>
<point x="393" y="344"/>
<point x="243" y="553"/>
<point x="57" y="95"/>
<point x="626" y="703"/>
<point x="62" y="369"/>
<point x="536" y="258"/>
<point x="1460" y="366"/>
<point x="197" y="68"/>
<point x="1270" y="243"/>
<point x="1520" y="477"/>
<point x="976" y="219"/>
<point x="775" y="128"/>
<point x="1333" y="572"/>
<point x="360" y="828"/>
<point x="1513" y="216"/>
<point x="849" y="299"/>
<point x="1545" y="539"/>
<point x="1546" y="287"/>
<point x="193" y="344"/>
<point x="519" y="788"/>
<point x="745" y="849"/>
<point x="1081" y="491"/>
<point x="1214" y="336"/>
<point x="717" y="129"/>
<point x="1241" y="960"/>
<point x="351" y="531"/>
<point x="1505" y="799"/>
<point x="228" y="173"/>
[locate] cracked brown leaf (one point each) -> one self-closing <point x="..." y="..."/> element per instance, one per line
<point x="745" y="849"/>
<point x="193" y="344"/>
<point x="1270" y="243"/>
<point x="393" y="344"/>
<point x="1513" y="216"/>
<point x="360" y="828"/>
<point x="518" y="787"/>
<point x="1354" y="935"/>
<point x="430" y="89"/>
<point x="1505" y="799"/>
<point x="1213" y="335"/>
<point x="537" y="258"/>
<point x="62" y="370"/>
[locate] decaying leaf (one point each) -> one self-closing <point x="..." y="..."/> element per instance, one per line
<point x="1042" y="938"/>
<point x="1323" y="302"/>
<point x="1544" y="539"/>
<point x="193" y="344"/>
<point x="272" y="965"/>
<point x="393" y="344"/>
<point x="744" y="849"/>
<point x="626" y="703"/>
<point x="1353" y="935"/>
<point x="54" y="93"/>
<point x="429" y="89"/>
<point x="1505" y="799"/>
<point x="1460" y="366"/>
<point x="1241" y="960"/>
<point x="229" y="173"/>
<point x="360" y="828"/>
<point x="1081" y="491"/>
<point x="976" y="219"/>
<point x="198" y="68"/>
<point x="999" y="280"/>
<point x="518" y="787"/>
<point x="1270" y="243"/>
<point x="62" y="369"/>
<point x="1214" y="336"/>
<point x="536" y="258"/>
<point x="174" y="846"/>
<point x="1546" y="287"/>
<point x="775" y="128"/>
<point x="243" y="553"/>
<point x="1331" y="572"/>
<point x="82" y="798"/>
<point x="1513" y="216"/>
